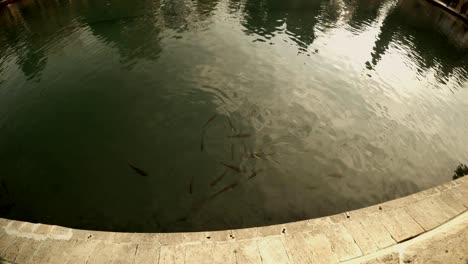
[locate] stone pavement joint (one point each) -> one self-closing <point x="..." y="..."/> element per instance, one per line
<point x="429" y="226"/>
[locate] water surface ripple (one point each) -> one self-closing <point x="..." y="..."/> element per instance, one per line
<point x="184" y="115"/>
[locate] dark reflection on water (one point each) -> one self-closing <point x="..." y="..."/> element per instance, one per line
<point x="444" y="56"/>
<point x="201" y="115"/>
<point x="268" y="18"/>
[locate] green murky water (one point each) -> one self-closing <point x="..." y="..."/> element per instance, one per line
<point x="240" y="112"/>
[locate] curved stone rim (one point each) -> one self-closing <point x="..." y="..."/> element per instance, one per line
<point x="332" y="239"/>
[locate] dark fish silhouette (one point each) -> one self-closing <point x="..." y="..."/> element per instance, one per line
<point x="191" y="185"/>
<point x="202" y="141"/>
<point x="196" y="206"/>
<point x="241" y="135"/>
<point x="232" y="167"/>
<point x="137" y="170"/>
<point x="210" y="120"/>
<point x="215" y="181"/>
<point x="336" y="175"/>
<point x="253" y="175"/>
<point x="182" y="219"/>
<point x="225" y="189"/>
<point x="261" y="154"/>
<point x="230" y="124"/>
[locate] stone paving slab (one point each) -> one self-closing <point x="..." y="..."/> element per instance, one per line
<point x="173" y="254"/>
<point x="377" y="231"/>
<point x="447" y="243"/>
<point x="400" y="224"/>
<point x="63" y="252"/>
<point x="27" y="251"/>
<point x="367" y="235"/>
<point x="342" y="243"/>
<point x="247" y="252"/>
<point x="81" y="251"/>
<point x="298" y="248"/>
<point x="321" y="248"/>
<point x="272" y="250"/>
<point x="361" y="236"/>
<point x="147" y="254"/>
<point x="46" y="251"/>
<point x="124" y="253"/>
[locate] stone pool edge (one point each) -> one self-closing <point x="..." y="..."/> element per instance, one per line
<point x="382" y="233"/>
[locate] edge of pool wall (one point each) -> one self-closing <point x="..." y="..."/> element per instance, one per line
<point x="426" y="227"/>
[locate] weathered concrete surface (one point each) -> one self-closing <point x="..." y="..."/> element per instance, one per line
<point x="445" y="244"/>
<point x="426" y="227"/>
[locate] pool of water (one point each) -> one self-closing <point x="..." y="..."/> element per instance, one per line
<point x="184" y="115"/>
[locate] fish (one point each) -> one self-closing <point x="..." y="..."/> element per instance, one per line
<point x="275" y="161"/>
<point x="210" y="120"/>
<point x="191" y="185"/>
<point x="253" y="175"/>
<point x="232" y="167"/>
<point x="137" y="170"/>
<point x="261" y="154"/>
<point x="230" y="124"/>
<point x="336" y="175"/>
<point x="182" y="219"/>
<point x="240" y="135"/>
<point x="196" y="206"/>
<point x="225" y="189"/>
<point x="215" y="181"/>
<point x="202" y="142"/>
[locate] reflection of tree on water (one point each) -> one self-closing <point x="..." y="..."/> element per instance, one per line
<point x="266" y="17"/>
<point x="132" y="28"/>
<point x="27" y="47"/>
<point x="428" y="49"/>
<point x="32" y="62"/>
<point x="174" y="14"/>
<point x="136" y="28"/>
<point x="205" y="8"/>
<point x="364" y="12"/>
<point x="28" y="27"/>
<point x="184" y="14"/>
